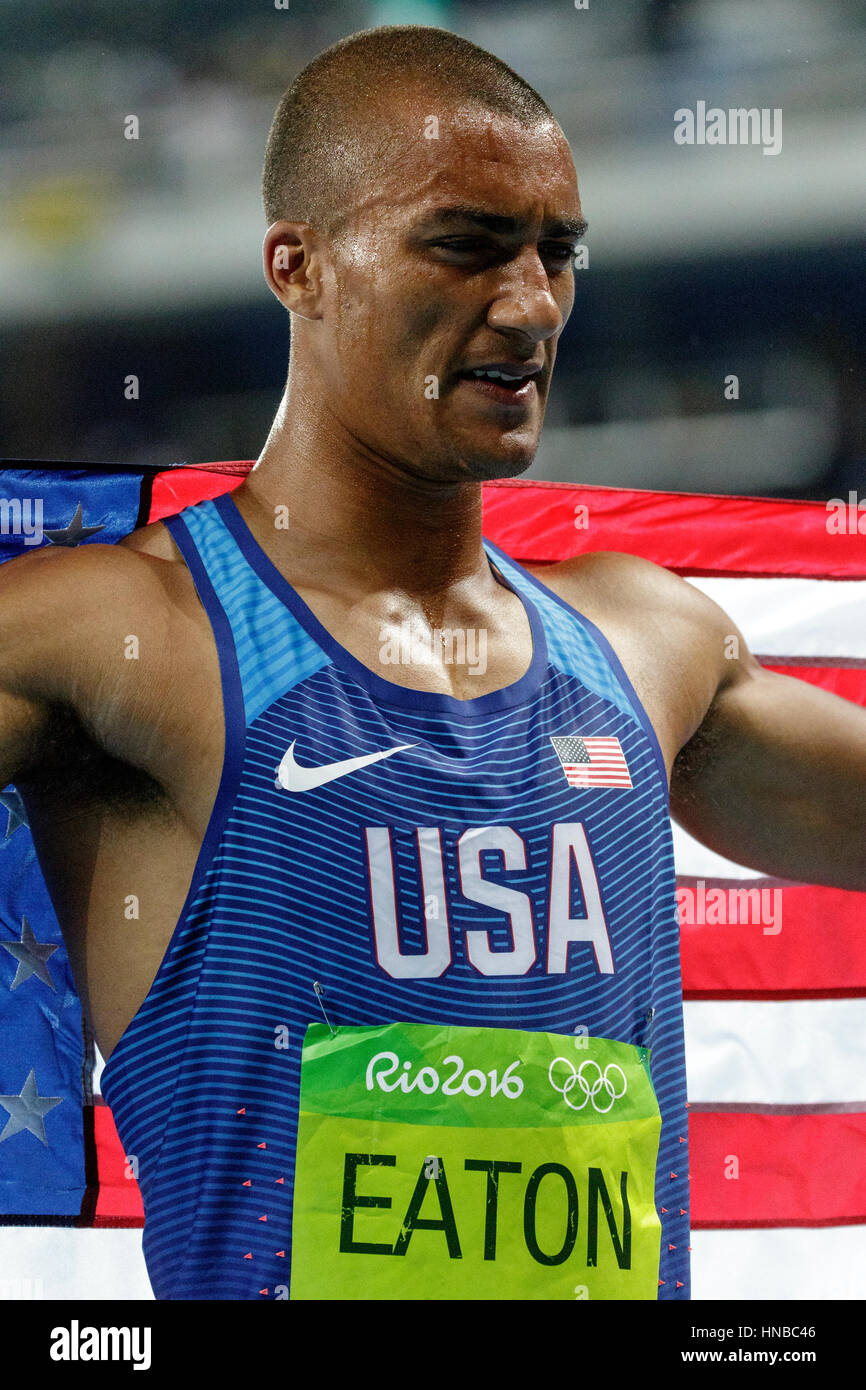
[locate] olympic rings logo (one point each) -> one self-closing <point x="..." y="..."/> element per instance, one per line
<point x="590" y="1085"/>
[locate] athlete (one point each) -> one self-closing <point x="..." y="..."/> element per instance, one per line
<point x="319" y="831"/>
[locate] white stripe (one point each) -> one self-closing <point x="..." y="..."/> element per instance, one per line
<point x="61" y="1262"/>
<point x="787" y="1263"/>
<point x="794" y="617"/>
<point x="770" y="1052"/>
<point x="96" y="1079"/>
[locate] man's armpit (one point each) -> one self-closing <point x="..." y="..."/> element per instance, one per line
<point x="696" y="761"/>
<point x="76" y="770"/>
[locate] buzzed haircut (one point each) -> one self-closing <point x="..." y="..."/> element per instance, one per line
<point x="331" y="129"/>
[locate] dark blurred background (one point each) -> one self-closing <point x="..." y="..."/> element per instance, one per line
<point x="143" y="257"/>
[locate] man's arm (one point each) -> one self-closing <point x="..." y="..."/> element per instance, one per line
<point x="768" y="770"/>
<point x="64" y="616"/>
<point x="25" y="643"/>
<point x="775" y="777"/>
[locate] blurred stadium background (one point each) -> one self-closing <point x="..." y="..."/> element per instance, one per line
<point x="143" y="256"/>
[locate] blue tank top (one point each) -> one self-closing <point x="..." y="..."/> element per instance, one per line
<point x="329" y="886"/>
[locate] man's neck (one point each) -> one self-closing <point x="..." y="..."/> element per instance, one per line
<point x="339" y="510"/>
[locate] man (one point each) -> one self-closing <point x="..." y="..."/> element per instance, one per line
<point x="313" y="826"/>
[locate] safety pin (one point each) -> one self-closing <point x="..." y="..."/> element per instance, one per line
<point x="320" y="994"/>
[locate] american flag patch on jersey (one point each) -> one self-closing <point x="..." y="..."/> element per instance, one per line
<point x="592" y="762"/>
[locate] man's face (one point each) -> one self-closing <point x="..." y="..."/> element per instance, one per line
<point x="460" y="259"/>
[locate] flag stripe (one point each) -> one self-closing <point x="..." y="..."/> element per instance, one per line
<point x="71" y="1264"/>
<point x="789" y="1052"/>
<point x="777" y="1170"/>
<point x="754" y="1264"/>
<point x="119" y="1199"/>
<point x="787" y="1263"/>
<point x="770" y="939"/>
<point x="847" y="681"/>
<point x="794" y="617"/>
<point x="700" y="533"/>
<point x="181" y="487"/>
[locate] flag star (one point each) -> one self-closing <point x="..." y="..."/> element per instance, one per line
<point x="74" y="533"/>
<point x="31" y="956"/>
<point x="26" y="1110"/>
<point x="15" y="806"/>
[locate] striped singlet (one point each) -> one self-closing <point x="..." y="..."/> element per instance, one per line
<point x="328" y="884"/>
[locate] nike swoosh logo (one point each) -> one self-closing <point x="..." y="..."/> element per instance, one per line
<point x="294" y="778"/>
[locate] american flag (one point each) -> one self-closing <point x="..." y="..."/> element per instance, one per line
<point x="775" y="1021"/>
<point x="592" y="762"/>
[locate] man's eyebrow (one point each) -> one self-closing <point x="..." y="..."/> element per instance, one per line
<point x="496" y="222"/>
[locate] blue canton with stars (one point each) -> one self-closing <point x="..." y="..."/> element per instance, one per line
<point x="42" y="1060"/>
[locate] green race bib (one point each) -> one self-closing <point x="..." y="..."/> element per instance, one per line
<point x="438" y="1162"/>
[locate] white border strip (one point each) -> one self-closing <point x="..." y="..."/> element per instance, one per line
<point x="794" y="617"/>
<point x="776" y="1052"/>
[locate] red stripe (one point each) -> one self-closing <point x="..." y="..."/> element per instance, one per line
<point x="847" y="681"/>
<point x="119" y="1201"/>
<point x="181" y="487"/>
<point x="820" y="951"/>
<point x="690" y="532"/>
<point x="794" y="1170"/>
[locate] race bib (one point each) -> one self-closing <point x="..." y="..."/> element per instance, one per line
<point x="438" y="1162"/>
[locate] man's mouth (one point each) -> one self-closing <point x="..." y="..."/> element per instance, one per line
<point x="502" y="382"/>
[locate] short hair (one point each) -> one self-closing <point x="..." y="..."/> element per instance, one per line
<point x="325" y="137"/>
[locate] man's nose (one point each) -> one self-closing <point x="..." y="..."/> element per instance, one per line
<point x="525" y="304"/>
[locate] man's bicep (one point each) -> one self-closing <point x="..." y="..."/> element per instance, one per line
<point x="47" y="600"/>
<point x="24" y="711"/>
<point x="774" y="779"/>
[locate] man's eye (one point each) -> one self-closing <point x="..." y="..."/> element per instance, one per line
<point x="558" y="250"/>
<point x="550" y="250"/>
<point x="463" y="243"/>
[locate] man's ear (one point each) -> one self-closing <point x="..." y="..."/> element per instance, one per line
<point x="293" y="267"/>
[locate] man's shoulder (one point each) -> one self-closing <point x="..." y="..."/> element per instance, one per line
<point x="153" y="539"/>
<point x="658" y="622"/>
<point x="60" y="597"/>
<point x="136" y="564"/>
<point x="619" y="584"/>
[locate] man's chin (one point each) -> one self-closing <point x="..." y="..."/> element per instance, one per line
<point x="507" y="461"/>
